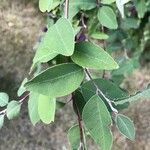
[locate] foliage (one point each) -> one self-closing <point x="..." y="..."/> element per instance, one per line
<point x="69" y="49"/>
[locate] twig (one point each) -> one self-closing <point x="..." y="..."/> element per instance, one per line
<point x="3" y="112"/>
<point x="66" y="9"/>
<point x="98" y="91"/>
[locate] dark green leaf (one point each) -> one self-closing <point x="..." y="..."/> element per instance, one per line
<point x="92" y="56"/>
<point x="125" y="126"/>
<point x="97" y="120"/>
<point x="57" y="81"/>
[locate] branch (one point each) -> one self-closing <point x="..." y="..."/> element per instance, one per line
<point x="66" y="9"/>
<point x="3" y="112"/>
<point x="98" y="91"/>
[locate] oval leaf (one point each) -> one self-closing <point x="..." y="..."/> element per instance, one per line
<point x="46" y="108"/>
<point x="92" y="56"/>
<point x="57" y="81"/>
<point x="107" y="17"/>
<point x="97" y="120"/>
<point x="45" y="5"/>
<point x="74" y="137"/>
<point x="13" y="109"/>
<point x="59" y="39"/>
<point x="4" y="98"/>
<point x="33" y="108"/>
<point x="125" y="126"/>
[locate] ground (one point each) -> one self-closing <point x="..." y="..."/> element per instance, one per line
<point x="20" y="27"/>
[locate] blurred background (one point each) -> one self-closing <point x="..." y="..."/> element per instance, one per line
<point x="20" y="27"/>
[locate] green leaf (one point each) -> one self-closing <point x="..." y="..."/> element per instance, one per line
<point x="76" y="6"/>
<point x="107" y="17"/>
<point x="109" y="89"/>
<point x="13" y="109"/>
<point x="130" y="23"/>
<point x="97" y="120"/>
<point x="22" y="89"/>
<point x="57" y="81"/>
<point x="99" y="36"/>
<point x="120" y="4"/>
<point x="92" y="56"/>
<point x="4" y="98"/>
<point x="74" y="137"/>
<point x="140" y="7"/>
<point x="107" y="1"/>
<point x="46" y="108"/>
<point x="45" y="5"/>
<point x="59" y="39"/>
<point x="125" y="126"/>
<point x="143" y="94"/>
<point x="1" y="121"/>
<point x="33" y="107"/>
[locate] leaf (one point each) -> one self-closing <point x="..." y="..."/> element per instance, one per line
<point x="99" y="36"/>
<point x="74" y="137"/>
<point x="22" y="89"/>
<point x="107" y="17"/>
<point x="120" y="4"/>
<point x="4" y="98"/>
<point x="141" y="8"/>
<point x="89" y="55"/>
<point x="1" y="121"/>
<point x="97" y="120"/>
<point x="125" y="126"/>
<point x="76" y="6"/>
<point x="45" y="5"/>
<point x="46" y="108"/>
<point x="107" y="1"/>
<point x="13" y="109"/>
<point x="59" y="39"/>
<point x="143" y="94"/>
<point x="33" y="108"/>
<point x="57" y="81"/>
<point x="109" y="89"/>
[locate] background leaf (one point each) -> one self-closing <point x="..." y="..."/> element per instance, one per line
<point x="97" y="120"/>
<point x="33" y="107"/>
<point x="57" y="81"/>
<point x="107" y="17"/>
<point x="13" y="109"/>
<point x="45" y="5"/>
<point x="4" y="98"/>
<point x="125" y="126"/>
<point x="46" y="108"/>
<point x="143" y="94"/>
<point x="74" y="137"/>
<point x="92" y="56"/>
<point x="76" y="6"/>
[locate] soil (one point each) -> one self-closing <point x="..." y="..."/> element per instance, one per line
<point x="20" y="27"/>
